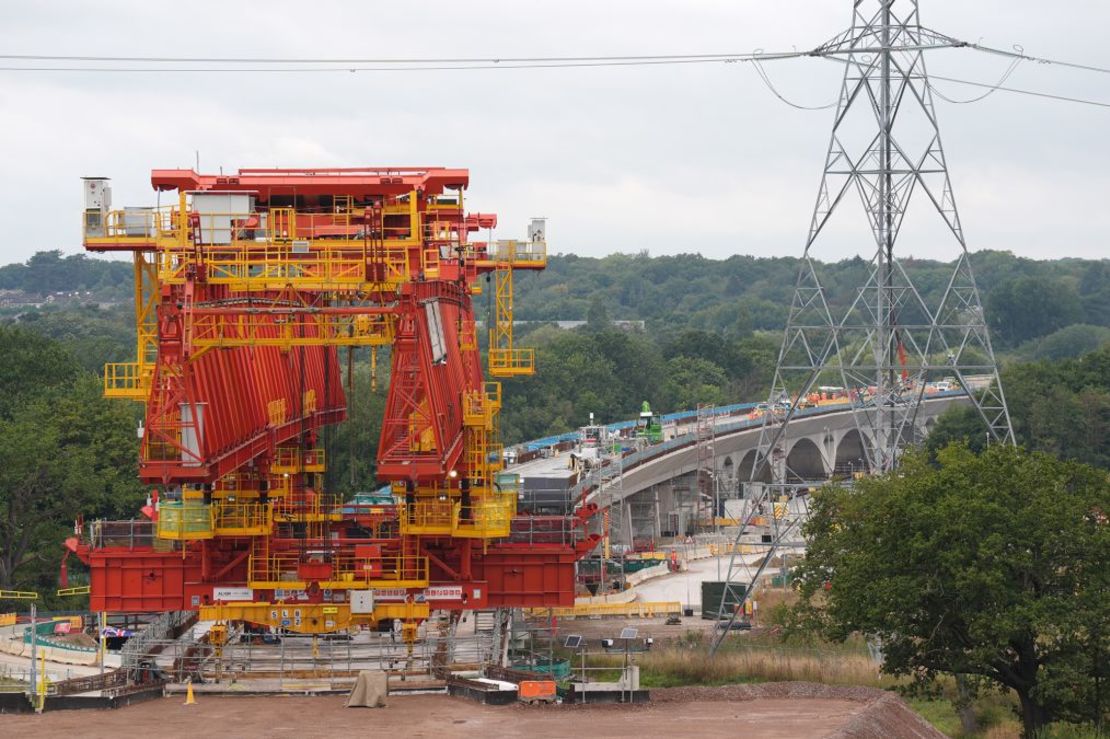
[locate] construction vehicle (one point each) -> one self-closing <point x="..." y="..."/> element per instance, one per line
<point x="648" y="426"/>
<point x="247" y="287"/>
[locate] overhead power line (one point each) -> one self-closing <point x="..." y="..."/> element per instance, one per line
<point x="376" y="65"/>
<point x="382" y="60"/>
<point x="278" y="65"/>
<point x="1018" y="57"/>
<point x="1019" y="53"/>
<point x="1033" y="93"/>
<point x="433" y="68"/>
<point x="1014" y="64"/>
<point x="774" y="90"/>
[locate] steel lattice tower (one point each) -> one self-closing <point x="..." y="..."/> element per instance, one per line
<point x="888" y="343"/>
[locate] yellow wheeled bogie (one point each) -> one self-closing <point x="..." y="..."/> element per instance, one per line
<point x="316" y="618"/>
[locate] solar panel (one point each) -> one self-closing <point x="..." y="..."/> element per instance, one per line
<point x="573" y="642"/>
<point x="629" y="633"/>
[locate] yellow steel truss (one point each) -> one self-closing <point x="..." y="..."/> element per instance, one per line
<point x="242" y="518"/>
<point x="290" y="329"/>
<point x="504" y="360"/>
<point x="192" y="519"/>
<point x="186" y="520"/>
<point x="486" y="513"/>
<point x="320" y="265"/>
<point x="131" y="380"/>
<point x="293" y="460"/>
<point x="283" y="571"/>
<point x="489" y="515"/>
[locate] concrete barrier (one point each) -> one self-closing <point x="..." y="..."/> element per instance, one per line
<point x="54" y="653"/>
<point x="625" y="596"/>
<point x="648" y="573"/>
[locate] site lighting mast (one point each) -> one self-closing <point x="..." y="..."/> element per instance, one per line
<point x="888" y="344"/>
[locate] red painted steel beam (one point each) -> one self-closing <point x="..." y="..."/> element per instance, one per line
<point x="360" y="182"/>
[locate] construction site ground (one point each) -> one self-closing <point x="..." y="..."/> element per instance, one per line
<point x="771" y="711"/>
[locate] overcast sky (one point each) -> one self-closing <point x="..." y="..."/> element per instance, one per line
<point x="693" y="158"/>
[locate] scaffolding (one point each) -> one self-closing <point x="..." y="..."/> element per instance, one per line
<point x="706" y="483"/>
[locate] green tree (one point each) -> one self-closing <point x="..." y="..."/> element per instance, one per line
<point x="1028" y="307"/>
<point x="1070" y="341"/>
<point x="597" y="317"/>
<point x="1094" y="293"/>
<point x="352" y="447"/>
<point x="1058" y="407"/>
<point x="32" y="364"/>
<point x="692" y="380"/>
<point x="64" y="451"/>
<point x="989" y="566"/>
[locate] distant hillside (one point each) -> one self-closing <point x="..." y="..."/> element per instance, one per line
<point x="78" y="277"/>
<point x="1024" y="299"/>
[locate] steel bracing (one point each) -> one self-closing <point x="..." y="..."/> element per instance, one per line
<point x="886" y="345"/>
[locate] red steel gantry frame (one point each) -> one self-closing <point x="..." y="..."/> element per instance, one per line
<point x="245" y="288"/>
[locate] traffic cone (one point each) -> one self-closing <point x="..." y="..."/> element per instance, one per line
<point x="190" y="699"/>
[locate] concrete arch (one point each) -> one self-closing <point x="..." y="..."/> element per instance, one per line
<point x="851" y="453"/>
<point x="744" y="472"/>
<point x="805" y="461"/>
<point x="729" y="482"/>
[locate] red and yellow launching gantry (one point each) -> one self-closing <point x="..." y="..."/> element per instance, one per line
<point x="245" y="288"/>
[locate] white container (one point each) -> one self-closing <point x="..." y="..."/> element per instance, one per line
<point x="218" y="210"/>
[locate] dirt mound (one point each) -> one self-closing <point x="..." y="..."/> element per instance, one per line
<point x="884" y="714"/>
<point x="76" y="639"/>
<point x="888" y="716"/>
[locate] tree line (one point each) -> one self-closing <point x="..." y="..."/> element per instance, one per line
<point x="722" y="350"/>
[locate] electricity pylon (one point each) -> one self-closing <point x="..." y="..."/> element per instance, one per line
<point x="888" y="343"/>
<point x="886" y="146"/>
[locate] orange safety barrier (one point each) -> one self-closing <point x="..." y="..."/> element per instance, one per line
<point x="537" y="690"/>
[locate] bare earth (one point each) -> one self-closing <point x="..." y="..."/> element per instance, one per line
<point x="708" y="712"/>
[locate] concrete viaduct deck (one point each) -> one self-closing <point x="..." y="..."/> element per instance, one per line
<point x="819" y="444"/>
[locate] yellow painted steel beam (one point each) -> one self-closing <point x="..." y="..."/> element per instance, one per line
<point x="321" y="618"/>
<point x="18" y="595"/>
<point x="79" y="590"/>
<point x="214" y="330"/>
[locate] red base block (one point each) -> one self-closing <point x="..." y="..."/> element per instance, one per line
<point x="528" y="575"/>
<point x="142" y="580"/>
<point x="126" y="580"/>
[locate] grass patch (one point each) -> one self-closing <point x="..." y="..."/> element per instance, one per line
<point x="994" y="714"/>
<point x="759" y="663"/>
<point x="938" y="712"/>
<point x="757" y="659"/>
